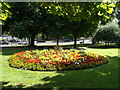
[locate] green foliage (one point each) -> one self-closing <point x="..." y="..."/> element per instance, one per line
<point x="118" y="4"/>
<point x="81" y="28"/>
<point x="27" y="20"/>
<point x="20" y="29"/>
<point x="109" y="32"/>
<point x="54" y="27"/>
<point x="4" y="9"/>
<point x="81" y="10"/>
<point x="83" y="16"/>
<point x="35" y="19"/>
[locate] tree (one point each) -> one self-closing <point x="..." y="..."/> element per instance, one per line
<point x="80" y="28"/>
<point x="73" y="10"/>
<point x="81" y="15"/>
<point x="33" y="20"/>
<point x="91" y="12"/>
<point x="25" y="29"/>
<point x="27" y="20"/>
<point x="107" y="33"/>
<point x="55" y="27"/>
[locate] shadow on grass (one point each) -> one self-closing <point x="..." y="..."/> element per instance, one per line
<point x="15" y="49"/>
<point x="98" y="46"/>
<point x="12" y="50"/>
<point x="103" y="47"/>
<point x="105" y="76"/>
<point x="11" y="86"/>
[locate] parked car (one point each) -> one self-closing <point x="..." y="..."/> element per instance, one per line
<point x="4" y="42"/>
<point x="81" y="42"/>
<point x="40" y="41"/>
<point x="13" y="40"/>
<point x="66" y="40"/>
<point x="87" y="42"/>
<point x="22" y="42"/>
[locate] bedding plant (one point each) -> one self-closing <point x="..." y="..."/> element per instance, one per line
<point x="54" y="59"/>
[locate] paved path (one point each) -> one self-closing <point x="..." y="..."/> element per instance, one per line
<point x="48" y="43"/>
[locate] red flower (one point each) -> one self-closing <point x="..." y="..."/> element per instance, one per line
<point x="30" y="50"/>
<point x="45" y="55"/>
<point x="22" y="57"/>
<point x="36" y="59"/>
<point x="55" y="57"/>
<point x="52" y="62"/>
<point x="29" y="61"/>
<point x="77" y="56"/>
<point x="20" y="53"/>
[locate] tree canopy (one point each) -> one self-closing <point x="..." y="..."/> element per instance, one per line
<point x="29" y="19"/>
<point x="73" y="10"/>
<point x="4" y="9"/>
<point x="108" y="33"/>
<point x="77" y="11"/>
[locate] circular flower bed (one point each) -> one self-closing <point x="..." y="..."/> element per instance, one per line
<point x="56" y="60"/>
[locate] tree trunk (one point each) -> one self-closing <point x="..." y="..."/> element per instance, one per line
<point x="31" y="41"/>
<point x="75" y="41"/>
<point x="83" y="40"/>
<point x="57" y="40"/>
<point x="108" y="43"/>
<point x="98" y="42"/>
<point x="93" y="41"/>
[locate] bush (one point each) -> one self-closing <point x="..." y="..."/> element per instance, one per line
<point x="55" y="60"/>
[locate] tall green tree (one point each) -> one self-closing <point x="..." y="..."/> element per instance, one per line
<point x="108" y="33"/>
<point x="33" y="19"/>
<point x="55" y="27"/>
<point x="91" y="12"/>
<point x="80" y="28"/>
<point x="82" y="15"/>
<point x="27" y="20"/>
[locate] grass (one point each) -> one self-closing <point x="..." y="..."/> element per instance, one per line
<point x="105" y="76"/>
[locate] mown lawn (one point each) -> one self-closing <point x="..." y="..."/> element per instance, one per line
<point x="105" y="76"/>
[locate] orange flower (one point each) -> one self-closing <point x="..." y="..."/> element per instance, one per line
<point x="20" y="53"/>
